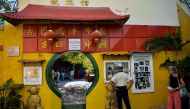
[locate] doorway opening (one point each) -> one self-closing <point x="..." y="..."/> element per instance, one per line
<point x="71" y="76"/>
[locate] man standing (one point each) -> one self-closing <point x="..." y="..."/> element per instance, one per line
<point x="120" y="79"/>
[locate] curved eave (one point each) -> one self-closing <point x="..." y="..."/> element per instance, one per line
<point x="65" y="14"/>
<point x="15" y="20"/>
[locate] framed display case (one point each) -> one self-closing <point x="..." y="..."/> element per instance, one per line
<point x="32" y="75"/>
<point x="110" y="68"/>
<point x="142" y="72"/>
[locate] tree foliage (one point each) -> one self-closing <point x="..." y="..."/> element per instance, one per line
<point x="4" y="5"/>
<point x="168" y="42"/>
<point x="78" y="58"/>
<point x="9" y="98"/>
<point x="182" y="65"/>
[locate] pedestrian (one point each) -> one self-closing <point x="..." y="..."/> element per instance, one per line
<point x="175" y="83"/>
<point x="72" y="73"/>
<point x="121" y="79"/>
<point x="62" y="76"/>
<point x="58" y="76"/>
<point x="78" y="74"/>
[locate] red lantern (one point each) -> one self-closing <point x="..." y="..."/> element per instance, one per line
<point x="95" y="36"/>
<point x="50" y="34"/>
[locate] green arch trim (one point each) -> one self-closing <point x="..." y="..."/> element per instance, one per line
<point x="96" y="72"/>
<point x="49" y="80"/>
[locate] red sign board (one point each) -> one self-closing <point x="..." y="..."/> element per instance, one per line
<point x="30" y="30"/>
<point x="35" y="41"/>
<point x="74" y="30"/>
<point x="30" y="45"/>
<point x="44" y="45"/>
<point x="60" y="45"/>
<point x="113" y="37"/>
<point x="87" y="30"/>
<point x="42" y="28"/>
<point x="61" y="29"/>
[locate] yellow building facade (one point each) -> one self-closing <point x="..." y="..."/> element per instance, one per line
<point x="11" y="68"/>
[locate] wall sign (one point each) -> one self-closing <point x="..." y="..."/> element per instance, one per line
<point x="110" y="68"/>
<point x="13" y="51"/>
<point x="142" y="71"/>
<point x="32" y="75"/>
<point x="74" y="44"/>
<point x="68" y="40"/>
<point x="114" y="37"/>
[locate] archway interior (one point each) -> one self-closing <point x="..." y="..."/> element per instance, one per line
<point x="73" y="73"/>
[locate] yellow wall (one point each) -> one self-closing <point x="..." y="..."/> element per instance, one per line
<point x="13" y="69"/>
<point x="10" y="68"/>
<point x="184" y="20"/>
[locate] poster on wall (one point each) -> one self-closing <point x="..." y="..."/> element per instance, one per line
<point x="110" y="68"/>
<point x="32" y="75"/>
<point x="142" y="71"/>
<point x="13" y="51"/>
<point x="74" y="44"/>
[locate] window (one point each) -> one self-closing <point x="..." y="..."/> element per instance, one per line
<point x="110" y="68"/>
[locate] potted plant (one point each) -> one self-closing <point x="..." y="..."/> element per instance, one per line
<point x="9" y="97"/>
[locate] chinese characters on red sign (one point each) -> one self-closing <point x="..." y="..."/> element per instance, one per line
<point x="113" y="37"/>
<point x="34" y="35"/>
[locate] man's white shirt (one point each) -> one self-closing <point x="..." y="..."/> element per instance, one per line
<point x="121" y="79"/>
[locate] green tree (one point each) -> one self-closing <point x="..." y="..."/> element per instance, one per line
<point x="182" y="65"/>
<point x="171" y="43"/>
<point x="78" y="58"/>
<point x="165" y="43"/>
<point x="9" y="97"/>
<point x="4" y="5"/>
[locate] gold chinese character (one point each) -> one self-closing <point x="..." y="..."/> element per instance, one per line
<point x="43" y="29"/>
<point x="69" y="3"/>
<point x="88" y="43"/>
<point x="74" y="30"/>
<point x="88" y="30"/>
<point x="59" y="44"/>
<point x="54" y="2"/>
<point x="60" y="31"/>
<point x="30" y="30"/>
<point x="84" y="2"/>
<point x="102" y="44"/>
<point x="44" y="44"/>
<point x="103" y="31"/>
